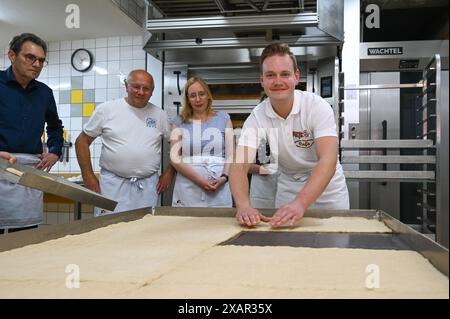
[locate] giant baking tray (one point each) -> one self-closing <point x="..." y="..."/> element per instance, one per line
<point x="53" y="184"/>
<point x="410" y="239"/>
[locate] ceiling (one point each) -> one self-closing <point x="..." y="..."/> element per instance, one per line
<point x="46" y="18"/>
<point x="193" y="8"/>
<point x="402" y="4"/>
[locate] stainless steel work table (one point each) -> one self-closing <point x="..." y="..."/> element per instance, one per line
<point x="402" y="236"/>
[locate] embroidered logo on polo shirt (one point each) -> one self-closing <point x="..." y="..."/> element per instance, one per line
<point x="150" y="122"/>
<point x="303" y="139"/>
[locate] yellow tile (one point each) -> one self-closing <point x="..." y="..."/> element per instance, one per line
<point x="88" y="109"/>
<point x="76" y="97"/>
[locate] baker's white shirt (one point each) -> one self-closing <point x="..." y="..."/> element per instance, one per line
<point x="292" y="145"/>
<point x="131" y="137"/>
<point x="291" y="139"/>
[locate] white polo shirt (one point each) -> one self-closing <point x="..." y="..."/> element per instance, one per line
<point x="291" y="139"/>
<point x="293" y="147"/>
<point x="131" y="137"/>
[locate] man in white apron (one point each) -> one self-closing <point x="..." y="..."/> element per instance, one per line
<point x="131" y="129"/>
<point x="264" y="180"/>
<point x="26" y="105"/>
<point x="301" y="131"/>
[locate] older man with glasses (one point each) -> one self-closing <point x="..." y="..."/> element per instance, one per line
<point x="131" y="129"/>
<point x="25" y="106"/>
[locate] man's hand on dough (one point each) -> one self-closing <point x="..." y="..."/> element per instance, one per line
<point x="288" y="214"/>
<point x="250" y="216"/>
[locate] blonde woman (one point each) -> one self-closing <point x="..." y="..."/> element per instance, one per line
<point x="201" y="150"/>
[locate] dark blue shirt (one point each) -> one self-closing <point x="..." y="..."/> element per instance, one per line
<point x="23" y="114"/>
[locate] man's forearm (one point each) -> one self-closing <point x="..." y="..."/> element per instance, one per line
<point x="169" y="170"/>
<point x="84" y="158"/>
<point x="54" y="129"/>
<point x="55" y="139"/>
<point x="239" y="184"/>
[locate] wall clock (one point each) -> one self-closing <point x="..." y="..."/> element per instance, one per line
<point x="82" y="60"/>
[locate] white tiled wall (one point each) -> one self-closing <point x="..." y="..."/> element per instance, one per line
<point x="58" y="213"/>
<point x="114" y="58"/>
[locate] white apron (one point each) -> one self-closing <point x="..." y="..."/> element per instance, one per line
<point x="335" y="195"/>
<point x="263" y="190"/>
<point x="187" y="194"/>
<point x="129" y="193"/>
<point x="20" y="206"/>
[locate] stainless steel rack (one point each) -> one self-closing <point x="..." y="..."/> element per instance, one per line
<point x="432" y="176"/>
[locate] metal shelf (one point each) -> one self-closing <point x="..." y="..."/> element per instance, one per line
<point x="410" y="176"/>
<point x="386" y="144"/>
<point x="389" y="159"/>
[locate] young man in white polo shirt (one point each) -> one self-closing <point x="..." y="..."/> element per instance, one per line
<point x="301" y="131"/>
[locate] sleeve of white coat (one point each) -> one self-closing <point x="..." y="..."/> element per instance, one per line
<point x="322" y="119"/>
<point x="94" y="126"/>
<point x="250" y="135"/>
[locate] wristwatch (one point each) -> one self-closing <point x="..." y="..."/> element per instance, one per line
<point x="226" y="177"/>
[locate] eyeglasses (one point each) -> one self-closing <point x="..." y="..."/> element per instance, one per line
<point x="193" y="96"/>
<point x="136" y="87"/>
<point x="31" y="59"/>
